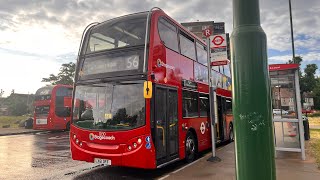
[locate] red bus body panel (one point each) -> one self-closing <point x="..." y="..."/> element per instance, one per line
<point x="117" y="150"/>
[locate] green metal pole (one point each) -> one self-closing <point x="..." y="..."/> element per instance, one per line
<point x="254" y="142"/>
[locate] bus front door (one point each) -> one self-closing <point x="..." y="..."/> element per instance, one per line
<point x="221" y="123"/>
<point x="165" y="124"/>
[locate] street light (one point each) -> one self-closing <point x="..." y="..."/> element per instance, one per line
<point x="292" y="40"/>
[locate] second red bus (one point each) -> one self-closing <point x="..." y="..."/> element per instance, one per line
<point x="52" y="107"/>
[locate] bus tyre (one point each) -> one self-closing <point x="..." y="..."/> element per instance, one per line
<point x="68" y="126"/>
<point x="231" y="133"/>
<point x="190" y="147"/>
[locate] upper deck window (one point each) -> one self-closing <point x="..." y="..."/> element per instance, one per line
<point x="187" y="46"/>
<point x="44" y="93"/>
<point x="202" y="54"/>
<point x="120" y="32"/>
<point x="168" y="34"/>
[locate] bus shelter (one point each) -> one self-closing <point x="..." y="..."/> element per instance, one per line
<point x="286" y="108"/>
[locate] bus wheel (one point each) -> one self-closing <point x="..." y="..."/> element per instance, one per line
<point x="231" y="133"/>
<point x="68" y="126"/>
<point x="190" y="147"/>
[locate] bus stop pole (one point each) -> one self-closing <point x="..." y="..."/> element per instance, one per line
<point x="254" y="142"/>
<point x="299" y="111"/>
<point x="212" y="109"/>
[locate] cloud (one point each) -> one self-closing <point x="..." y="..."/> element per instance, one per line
<point x="24" y="73"/>
<point x="50" y="30"/>
<point x="310" y="56"/>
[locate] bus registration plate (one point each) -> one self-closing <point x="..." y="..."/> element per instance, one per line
<point x="102" y="161"/>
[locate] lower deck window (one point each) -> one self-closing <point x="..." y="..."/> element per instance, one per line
<point x="190" y="104"/>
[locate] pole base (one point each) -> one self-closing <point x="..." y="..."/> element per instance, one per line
<point x="214" y="159"/>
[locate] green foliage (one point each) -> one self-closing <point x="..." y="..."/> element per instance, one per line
<point x="317" y="114"/>
<point x="18" y="109"/>
<point x="18" y="104"/>
<point x="308" y="82"/>
<point x="316" y="94"/>
<point x="65" y="76"/>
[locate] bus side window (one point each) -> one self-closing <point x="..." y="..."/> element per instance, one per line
<point x="202" y="54"/>
<point x="190" y="104"/>
<point x="228" y="107"/>
<point x="204" y="105"/>
<point x="187" y="46"/>
<point x="60" y="108"/>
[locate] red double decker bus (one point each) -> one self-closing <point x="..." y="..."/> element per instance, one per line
<point x="52" y="108"/>
<point x="141" y="95"/>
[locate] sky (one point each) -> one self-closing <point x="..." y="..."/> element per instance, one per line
<point x="37" y="36"/>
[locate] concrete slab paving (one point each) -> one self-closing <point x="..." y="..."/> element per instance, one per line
<point x="289" y="166"/>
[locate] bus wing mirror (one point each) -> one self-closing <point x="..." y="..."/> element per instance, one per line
<point x="147" y="89"/>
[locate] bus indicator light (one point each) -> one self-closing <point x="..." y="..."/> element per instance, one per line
<point x="148" y="139"/>
<point x="147" y="89"/>
<point x="148" y="146"/>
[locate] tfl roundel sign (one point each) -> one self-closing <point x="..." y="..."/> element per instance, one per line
<point x="218" y="41"/>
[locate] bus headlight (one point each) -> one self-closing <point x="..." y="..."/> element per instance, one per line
<point x="77" y="141"/>
<point x="139" y="141"/>
<point x="134" y="145"/>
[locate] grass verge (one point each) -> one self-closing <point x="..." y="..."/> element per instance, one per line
<point x="13" y="121"/>
<point x="314" y="121"/>
<point x="314" y="145"/>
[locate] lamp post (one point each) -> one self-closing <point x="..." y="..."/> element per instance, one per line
<point x="254" y="142"/>
<point x="292" y="39"/>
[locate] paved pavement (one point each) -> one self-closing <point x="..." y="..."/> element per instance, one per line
<point x="289" y="167"/>
<point x="15" y="131"/>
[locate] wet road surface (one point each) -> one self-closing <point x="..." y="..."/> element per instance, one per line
<point x="38" y="156"/>
<point x="47" y="156"/>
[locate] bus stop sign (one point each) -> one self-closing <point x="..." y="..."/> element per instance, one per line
<point x="207" y="32"/>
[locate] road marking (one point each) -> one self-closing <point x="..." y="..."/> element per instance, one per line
<point x="205" y="156"/>
<point x="189" y="164"/>
<point x="164" y="177"/>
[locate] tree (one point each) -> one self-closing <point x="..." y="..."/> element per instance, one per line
<point x="1" y="93"/>
<point x="18" y="109"/>
<point x="297" y="60"/>
<point x="308" y="81"/>
<point x="316" y="94"/>
<point x="65" y="76"/>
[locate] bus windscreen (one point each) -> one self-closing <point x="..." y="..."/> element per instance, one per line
<point x="109" y="106"/>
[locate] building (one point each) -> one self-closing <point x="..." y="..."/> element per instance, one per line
<point x="308" y="103"/>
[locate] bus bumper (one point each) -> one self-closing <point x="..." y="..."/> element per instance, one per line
<point x="117" y="155"/>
